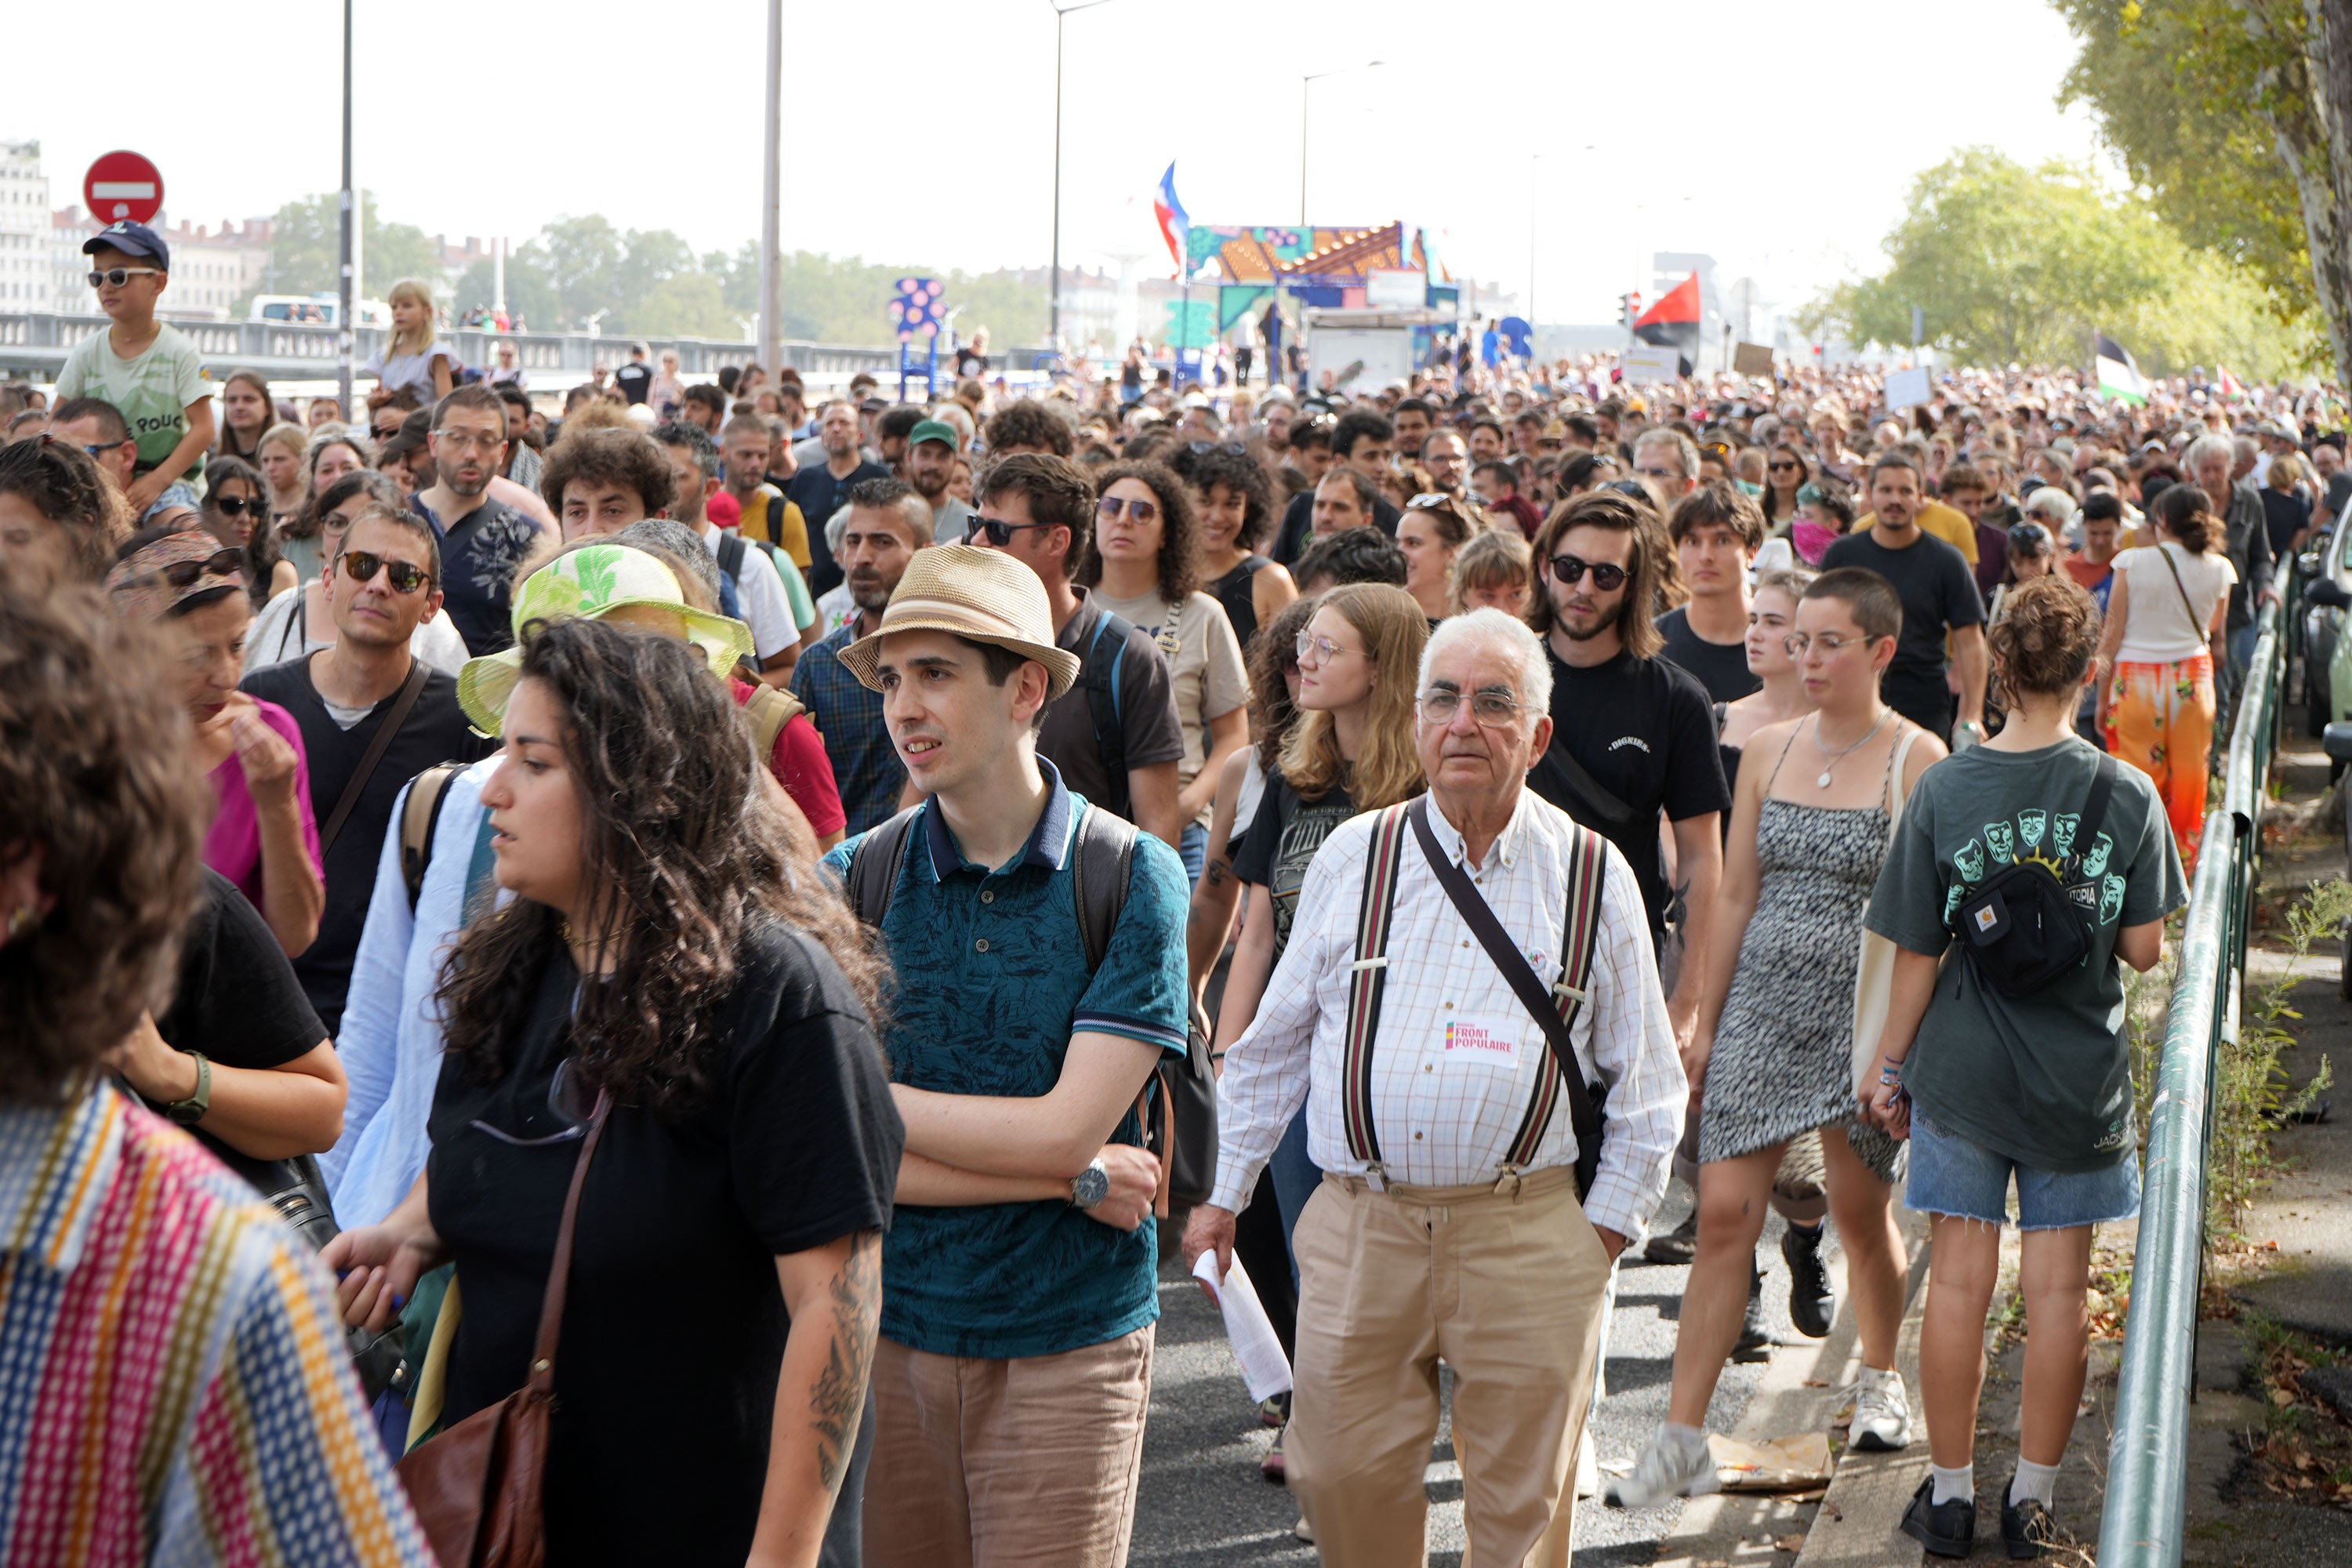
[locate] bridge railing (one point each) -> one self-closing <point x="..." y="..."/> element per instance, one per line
<point x="2147" y="1468"/>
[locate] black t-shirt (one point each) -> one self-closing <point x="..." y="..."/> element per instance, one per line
<point x="2339" y="495"/>
<point x="1146" y="708"/>
<point x="1280" y="844"/>
<point x="1939" y="594"/>
<point x="237" y="1001"/>
<point x="436" y="731"/>
<point x="1644" y="731"/>
<point x="819" y="495"/>
<point x="1721" y="667"/>
<point x="674" y="1327"/>
<point x="1299" y="525"/>
<point x="636" y="380"/>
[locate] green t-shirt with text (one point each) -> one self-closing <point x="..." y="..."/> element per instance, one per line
<point x="2045" y="1079"/>
<point x="152" y="391"/>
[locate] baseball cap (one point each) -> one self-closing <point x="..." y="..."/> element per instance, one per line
<point x="414" y="433"/>
<point x="936" y="430"/>
<point x="131" y="239"/>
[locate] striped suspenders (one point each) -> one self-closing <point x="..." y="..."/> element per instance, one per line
<point x="1369" y="974"/>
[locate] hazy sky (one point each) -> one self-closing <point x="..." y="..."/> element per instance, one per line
<point x="1778" y="139"/>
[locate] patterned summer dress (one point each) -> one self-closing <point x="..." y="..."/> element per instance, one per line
<point x="1783" y="1057"/>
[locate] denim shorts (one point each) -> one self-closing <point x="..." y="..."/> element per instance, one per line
<point x="1953" y="1175"/>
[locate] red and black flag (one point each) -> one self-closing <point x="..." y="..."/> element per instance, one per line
<point x="1673" y="321"/>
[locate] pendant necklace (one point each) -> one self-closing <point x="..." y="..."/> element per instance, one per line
<point x="1831" y="760"/>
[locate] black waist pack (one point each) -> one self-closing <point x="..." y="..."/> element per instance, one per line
<point x="2023" y="929"/>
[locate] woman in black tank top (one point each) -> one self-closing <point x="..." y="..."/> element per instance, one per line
<point x="1236" y="511"/>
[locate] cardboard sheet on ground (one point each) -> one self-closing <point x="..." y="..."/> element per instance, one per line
<point x="1780" y="1464"/>
<point x="1263" y="1366"/>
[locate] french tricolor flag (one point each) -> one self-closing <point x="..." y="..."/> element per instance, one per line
<point x="1174" y="226"/>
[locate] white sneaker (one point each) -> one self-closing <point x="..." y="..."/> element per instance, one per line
<point x="1670" y="1467"/>
<point x="1882" y="1413"/>
<point x="1588" y="1471"/>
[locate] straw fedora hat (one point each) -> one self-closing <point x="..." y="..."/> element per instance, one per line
<point x="983" y="595"/>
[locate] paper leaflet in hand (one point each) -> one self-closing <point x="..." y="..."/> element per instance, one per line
<point x="1263" y="1366"/>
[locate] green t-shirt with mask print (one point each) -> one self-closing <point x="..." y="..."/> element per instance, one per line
<point x="2045" y="1079"/>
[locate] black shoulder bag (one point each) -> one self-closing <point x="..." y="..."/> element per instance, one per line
<point x="2023" y="928"/>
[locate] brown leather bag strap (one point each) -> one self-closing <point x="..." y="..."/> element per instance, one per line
<point x="558" y="1273"/>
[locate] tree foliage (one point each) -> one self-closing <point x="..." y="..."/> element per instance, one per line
<point x="2214" y="107"/>
<point x="306" y="250"/>
<point x="2018" y="265"/>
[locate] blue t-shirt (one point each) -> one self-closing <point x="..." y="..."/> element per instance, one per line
<point x="991" y="983"/>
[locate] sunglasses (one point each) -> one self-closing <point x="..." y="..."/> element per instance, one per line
<point x="235" y="506"/>
<point x="119" y="275"/>
<point x="1784" y="468"/>
<point x="361" y="566"/>
<point x="997" y="533"/>
<point x="224" y="563"/>
<point x="1111" y="507"/>
<point x="1569" y="569"/>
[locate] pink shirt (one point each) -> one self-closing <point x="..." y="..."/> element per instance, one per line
<point x="233" y="847"/>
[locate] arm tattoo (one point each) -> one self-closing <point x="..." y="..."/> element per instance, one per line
<point x="1215" y="873"/>
<point x="838" y="1399"/>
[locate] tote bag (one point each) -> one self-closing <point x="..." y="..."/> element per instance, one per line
<point x="1873" y="973"/>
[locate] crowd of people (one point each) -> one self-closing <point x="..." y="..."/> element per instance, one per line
<point x="801" y="844"/>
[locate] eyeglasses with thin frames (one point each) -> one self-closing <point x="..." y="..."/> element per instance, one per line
<point x="1324" y="649"/>
<point x="1831" y="643"/>
<point x="1488" y="710"/>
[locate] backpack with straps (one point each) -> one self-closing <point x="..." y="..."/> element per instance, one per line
<point x="1099" y="677"/>
<point x="1180" y="1127"/>
<point x="1368" y="981"/>
<point x="733" y="552"/>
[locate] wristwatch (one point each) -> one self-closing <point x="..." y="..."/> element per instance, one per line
<point x="1091" y="1185"/>
<point x="189" y="1111"/>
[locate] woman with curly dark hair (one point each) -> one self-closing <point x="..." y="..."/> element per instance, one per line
<point x="673" y="1001"/>
<point x="1235" y="499"/>
<point x="57" y="514"/>
<point x="113" y="1215"/>
<point x="1142" y="564"/>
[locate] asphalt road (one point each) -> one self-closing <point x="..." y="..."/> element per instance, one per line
<point x="1203" y="1502"/>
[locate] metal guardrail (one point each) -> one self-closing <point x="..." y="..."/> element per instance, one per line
<point x="37" y="344"/>
<point x="2147" y="1458"/>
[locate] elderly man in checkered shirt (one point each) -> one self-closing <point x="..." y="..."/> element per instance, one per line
<point x="1449" y="1226"/>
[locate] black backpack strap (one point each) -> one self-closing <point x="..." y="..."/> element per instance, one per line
<point x="1099" y="675"/>
<point x="874" y="866"/>
<point x="2094" y="805"/>
<point x="1101" y="859"/>
<point x="730" y="554"/>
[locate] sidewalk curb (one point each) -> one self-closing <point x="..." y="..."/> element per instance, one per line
<point x="1717" y="1529"/>
<point x="1862" y="1514"/>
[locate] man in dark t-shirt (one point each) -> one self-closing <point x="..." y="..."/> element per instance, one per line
<point x="1715" y="530"/>
<point x="635" y="379"/>
<point x="820" y="490"/>
<point x="342" y="696"/>
<point x="1113" y="736"/>
<point x="481" y="540"/>
<point x="1939" y="601"/>
<point x="1632" y="734"/>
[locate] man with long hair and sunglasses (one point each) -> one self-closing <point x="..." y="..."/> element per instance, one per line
<point x="382" y="583"/>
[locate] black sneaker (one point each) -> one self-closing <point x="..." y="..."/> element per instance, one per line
<point x="1754" y="1344"/>
<point x="2027" y="1528"/>
<point x="1811" y="1304"/>
<point x="1677" y="1247"/>
<point x="1946" y="1529"/>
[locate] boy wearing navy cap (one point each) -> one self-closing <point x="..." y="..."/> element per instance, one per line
<point x="150" y="371"/>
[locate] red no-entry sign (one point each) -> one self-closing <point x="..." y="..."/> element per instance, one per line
<point x="123" y="185"/>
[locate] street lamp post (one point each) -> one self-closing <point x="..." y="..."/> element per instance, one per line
<point x="771" y="280"/>
<point x="1061" y="12"/>
<point x="1304" y="83"/>
<point x="345" y="340"/>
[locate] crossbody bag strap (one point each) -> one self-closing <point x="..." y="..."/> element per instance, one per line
<point x="2094" y="805"/>
<point x="402" y="707"/>
<point x="1367" y="980"/>
<point x="1596" y="796"/>
<point x="2201" y="633"/>
<point x="1550" y="1014"/>
<point x="1588" y="863"/>
<point x="559" y="1272"/>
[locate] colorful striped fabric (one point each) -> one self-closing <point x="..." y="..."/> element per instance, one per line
<point x="173" y="1386"/>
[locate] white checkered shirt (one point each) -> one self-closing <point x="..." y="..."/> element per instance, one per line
<point x="1446" y="1117"/>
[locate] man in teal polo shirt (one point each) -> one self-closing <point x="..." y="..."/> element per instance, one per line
<point x="1019" y="1301"/>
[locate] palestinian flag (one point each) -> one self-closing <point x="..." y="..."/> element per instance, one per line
<point x="2119" y="378"/>
<point x="1673" y="321"/>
